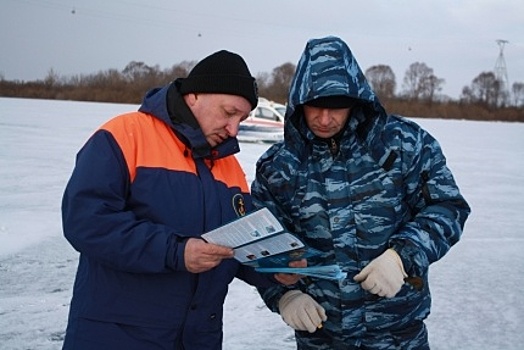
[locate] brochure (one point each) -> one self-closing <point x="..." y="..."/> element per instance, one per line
<point x="260" y="241"/>
<point x="330" y="272"/>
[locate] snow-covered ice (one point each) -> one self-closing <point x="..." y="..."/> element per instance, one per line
<point x="478" y="288"/>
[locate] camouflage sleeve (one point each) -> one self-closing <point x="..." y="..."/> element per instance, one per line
<point x="439" y="211"/>
<point x="263" y="196"/>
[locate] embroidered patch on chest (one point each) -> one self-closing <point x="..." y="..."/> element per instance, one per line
<point x="239" y="204"/>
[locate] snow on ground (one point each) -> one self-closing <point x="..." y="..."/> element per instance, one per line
<point x="478" y="293"/>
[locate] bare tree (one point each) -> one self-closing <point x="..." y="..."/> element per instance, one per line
<point x="382" y="80"/>
<point x="139" y="72"/>
<point x="518" y="94"/>
<point x="432" y="87"/>
<point x="52" y="78"/>
<point x="281" y="80"/>
<point x="467" y="95"/>
<point x="180" y="70"/>
<point x="420" y="83"/>
<point x="485" y="89"/>
<point x="263" y="85"/>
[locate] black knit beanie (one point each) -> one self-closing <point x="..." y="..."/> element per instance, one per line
<point x="223" y="72"/>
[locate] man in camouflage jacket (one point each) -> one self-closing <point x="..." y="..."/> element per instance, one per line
<point x="372" y="192"/>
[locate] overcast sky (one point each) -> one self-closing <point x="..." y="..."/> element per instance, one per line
<point x="457" y="39"/>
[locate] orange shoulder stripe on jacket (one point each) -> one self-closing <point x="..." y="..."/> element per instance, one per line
<point x="146" y="141"/>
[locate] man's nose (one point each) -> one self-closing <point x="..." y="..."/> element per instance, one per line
<point x="232" y="128"/>
<point x="324" y="116"/>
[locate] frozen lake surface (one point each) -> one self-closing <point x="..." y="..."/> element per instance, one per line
<point x="478" y="288"/>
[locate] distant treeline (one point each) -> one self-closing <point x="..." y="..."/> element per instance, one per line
<point x="484" y="99"/>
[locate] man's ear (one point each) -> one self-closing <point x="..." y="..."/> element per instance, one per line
<point x="191" y="99"/>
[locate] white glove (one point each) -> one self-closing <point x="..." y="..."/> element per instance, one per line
<point x="301" y="312"/>
<point x="384" y="275"/>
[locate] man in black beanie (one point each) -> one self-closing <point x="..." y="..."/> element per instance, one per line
<point x="145" y="187"/>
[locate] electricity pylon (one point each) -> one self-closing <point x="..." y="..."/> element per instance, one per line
<point x="501" y="73"/>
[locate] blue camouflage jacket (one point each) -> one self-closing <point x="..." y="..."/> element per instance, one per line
<point x="387" y="187"/>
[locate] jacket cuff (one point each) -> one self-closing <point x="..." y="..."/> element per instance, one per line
<point x="175" y="254"/>
<point x="405" y="253"/>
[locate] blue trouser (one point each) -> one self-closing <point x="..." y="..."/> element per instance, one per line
<point x="85" y="334"/>
<point x="414" y="337"/>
